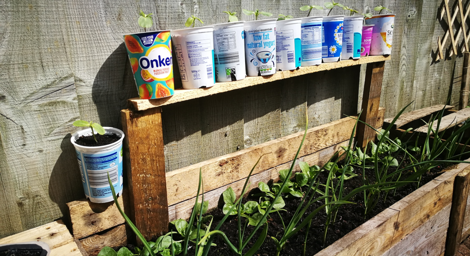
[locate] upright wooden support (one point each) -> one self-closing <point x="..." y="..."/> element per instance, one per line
<point x="465" y="85"/>
<point x="370" y="102"/>
<point x="148" y="206"/>
<point x="457" y="212"/>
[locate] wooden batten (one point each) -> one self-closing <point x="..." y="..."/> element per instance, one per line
<point x="447" y="121"/>
<point x="415" y="115"/>
<point x="114" y="238"/>
<point x="389" y="232"/>
<point x="220" y="171"/>
<point x="90" y="218"/>
<point x="183" y="209"/>
<point x="184" y="95"/>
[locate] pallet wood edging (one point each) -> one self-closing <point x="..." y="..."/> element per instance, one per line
<point x="220" y="171"/>
<point x="184" y="95"/>
<point x="389" y="228"/>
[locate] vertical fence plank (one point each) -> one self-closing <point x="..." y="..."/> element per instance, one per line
<point x="148" y="204"/>
<point x="457" y="212"/>
<point x="370" y="102"/>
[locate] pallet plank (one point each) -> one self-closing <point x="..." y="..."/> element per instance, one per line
<point x="70" y="249"/>
<point x="90" y="218"/>
<point x="183" y="209"/>
<point x="184" y="95"/>
<point x="114" y="238"/>
<point x="146" y="171"/>
<point x="416" y="115"/>
<point x="447" y="121"/>
<point x="219" y="171"/>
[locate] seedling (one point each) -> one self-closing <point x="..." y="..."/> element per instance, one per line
<point x="257" y="13"/>
<point x="332" y="5"/>
<point x="380" y="8"/>
<point x="351" y="11"/>
<point x="99" y="129"/>
<point x="231" y="16"/>
<point x="191" y="21"/>
<point x="145" y="20"/>
<point x="309" y="8"/>
<point x="284" y="17"/>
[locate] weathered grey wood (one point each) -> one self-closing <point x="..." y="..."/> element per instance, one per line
<point x="447" y="121"/>
<point x="294" y="104"/>
<point x="416" y="115"/>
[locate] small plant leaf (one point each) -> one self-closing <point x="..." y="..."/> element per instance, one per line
<point x="301" y="179"/>
<point x="266" y="14"/>
<point x="247" y="12"/>
<point x="178" y="247"/>
<point x="279" y="203"/>
<point x="368" y="15"/>
<point x="305" y="8"/>
<point x="228" y="207"/>
<point x="250" y="207"/>
<point x="98" y="128"/>
<point x="189" y="22"/>
<point x="264" y="187"/>
<point x="305" y="168"/>
<point x="205" y="207"/>
<point x="232" y="18"/>
<point x="145" y="22"/>
<point x="181" y="226"/>
<point x="81" y="123"/>
<point x="162" y="243"/>
<point x="329" y="5"/>
<point x="378" y="8"/>
<point x="317" y="7"/>
<point x="296" y="193"/>
<point x="107" y="251"/>
<point x="255" y="219"/>
<point x="283" y="174"/>
<point x="124" y="252"/>
<point x="229" y="196"/>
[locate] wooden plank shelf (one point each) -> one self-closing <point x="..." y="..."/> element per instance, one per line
<point x="185" y="95"/>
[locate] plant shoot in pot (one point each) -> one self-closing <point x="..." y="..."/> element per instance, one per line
<point x="145" y="20"/>
<point x="332" y="5"/>
<point x="380" y="8"/>
<point x="232" y="16"/>
<point x="309" y="8"/>
<point x="99" y="129"/>
<point x="256" y="13"/>
<point x="191" y="21"/>
<point x="284" y="17"/>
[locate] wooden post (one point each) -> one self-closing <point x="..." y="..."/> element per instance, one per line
<point x="457" y="212"/>
<point x="370" y="102"/>
<point x="465" y="85"/>
<point x="146" y="182"/>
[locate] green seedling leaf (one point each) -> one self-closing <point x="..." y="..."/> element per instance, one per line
<point x="255" y="219"/>
<point x="229" y="196"/>
<point x="250" y="207"/>
<point x="305" y="168"/>
<point x="296" y="193"/>
<point x="145" y="20"/>
<point x="378" y="8"/>
<point x="162" y="243"/>
<point x="107" y="251"/>
<point x="283" y="174"/>
<point x="232" y="18"/>
<point x="124" y="252"/>
<point x="98" y="128"/>
<point x="247" y="12"/>
<point x="178" y="247"/>
<point x="315" y="168"/>
<point x="228" y="207"/>
<point x="189" y="22"/>
<point x="194" y="232"/>
<point x="305" y="8"/>
<point x="264" y="187"/>
<point x="181" y="226"/>
<point x="268" y="14"/>
<point x="301" y="179"/>
<point x="205" y="207"/>
<point x="367" y="15"/>
<point x="329" y="5"/>
<point x="166" y="252"/>
<point x="279" y="203"/>
<point x="284" y="17"/>
<point x="81" y="123"/>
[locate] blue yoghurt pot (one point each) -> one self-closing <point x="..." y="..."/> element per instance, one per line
<point x="332" y="38"/>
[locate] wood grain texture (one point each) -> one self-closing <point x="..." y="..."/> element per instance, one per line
<point x="457" y="213"/>
<point x="54" y="234"/>
<point x="219" y="171"/>
<point x="90" y="218"/>
<point x="416" y="115"/>
<point x="182" y="210"/>
<point x="370" y="103"/>
<point x="447" y="121"/>
<point x="70" y="249"/>
<point x="114" y="238"/>
<point x="146" y="173"/>
<point x="184" y="95"/>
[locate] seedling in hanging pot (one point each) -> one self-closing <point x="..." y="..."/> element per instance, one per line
<point x="256" y="13"/>
<point x="332" y="5"/>
<point x="232" y="16"/>
<point x="191" y="21"/>
<point x="98" y="154"/>
<point x="309" y="8"/>
<point x="380" y="8"/>
<point x="284" y="17"/>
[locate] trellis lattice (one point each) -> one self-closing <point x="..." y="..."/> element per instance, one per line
<point x="456" y="42"/>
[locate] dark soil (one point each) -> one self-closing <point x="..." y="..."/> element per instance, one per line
<point x="349" y="217"/>
<point x="89" y="141"/>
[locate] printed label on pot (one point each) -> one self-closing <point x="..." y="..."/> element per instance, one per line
<point x="94" y="169"/>
<point x="229" y="52"/>
<point x="260" y="47"/>
<point x="151" y="63"/>
<point x="332" y="39"/>
<point x="200" y="54"/>
<point x="311" y="41"/>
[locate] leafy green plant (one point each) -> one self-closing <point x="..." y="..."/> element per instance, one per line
<point x="351" y="11"/>
<point x="294" y="188"/>
<point x="380" y="8"/>
<point x="309" y="8"/>
<point x="249" y="210"/>
<point x="232" y="16"/>
<point x="284" y="17"/>
<point x="333" y="4"/>
<point x="145" y="20"/>
<point x="99" y="129"/>
<point x="191" y="21"/>
<point x="256" y="13"/>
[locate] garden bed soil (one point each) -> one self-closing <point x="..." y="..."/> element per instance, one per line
<point x="103" y="140"/>
<point x="349" y="217"/>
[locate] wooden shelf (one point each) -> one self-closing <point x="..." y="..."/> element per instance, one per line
<point x="184" y="95"/>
